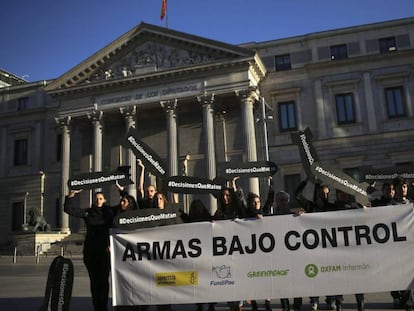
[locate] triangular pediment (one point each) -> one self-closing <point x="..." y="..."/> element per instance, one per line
<point x="148" y="49"/>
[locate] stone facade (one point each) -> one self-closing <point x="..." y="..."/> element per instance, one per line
<point x="202" y="101"/>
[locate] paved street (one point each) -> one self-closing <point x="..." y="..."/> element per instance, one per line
<point x="22" y="286"/>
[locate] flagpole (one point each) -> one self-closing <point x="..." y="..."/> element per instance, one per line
<point x="166" y="15"/>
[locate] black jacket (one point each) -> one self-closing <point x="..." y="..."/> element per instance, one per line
<point x="98" y="220"/>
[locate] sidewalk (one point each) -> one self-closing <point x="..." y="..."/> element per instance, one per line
<point x="22" y="286"/>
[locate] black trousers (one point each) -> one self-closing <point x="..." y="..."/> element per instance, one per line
<point x="98" y="266"/>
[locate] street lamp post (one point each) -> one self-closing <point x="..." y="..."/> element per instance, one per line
<point x="264" y="118"/>
<point x="25" y="208"/>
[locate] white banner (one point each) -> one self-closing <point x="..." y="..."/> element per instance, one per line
<point x="342" y="252"/>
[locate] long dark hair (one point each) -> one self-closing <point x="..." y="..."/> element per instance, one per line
<point x="164" y="198"/>
<point x="198" y="211"/>
<point x="132" y="203"/>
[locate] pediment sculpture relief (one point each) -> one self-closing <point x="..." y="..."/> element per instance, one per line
<point x="150" y="57"/>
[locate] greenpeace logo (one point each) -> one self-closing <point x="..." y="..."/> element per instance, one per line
<point x="267" y="273"/>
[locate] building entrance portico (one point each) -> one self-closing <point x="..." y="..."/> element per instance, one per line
<point x="172" y="105"/>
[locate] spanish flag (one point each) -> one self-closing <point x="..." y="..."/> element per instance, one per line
<point x="163" y="9"/>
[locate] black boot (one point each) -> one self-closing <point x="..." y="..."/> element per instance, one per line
<point x="254" y="305"/>
<point x="211" y="307"/>
<point x="285" y="304"/>
<point x="338" y="305"/>
<point x="297" y="304"/>
<point x="267" y="306"/>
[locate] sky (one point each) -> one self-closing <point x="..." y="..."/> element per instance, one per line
<point x="43" y="39"/>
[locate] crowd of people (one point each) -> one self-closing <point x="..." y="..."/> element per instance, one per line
<point x="232" y="204"/>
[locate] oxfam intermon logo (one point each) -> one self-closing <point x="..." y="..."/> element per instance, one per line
<point x="311" y="270"/>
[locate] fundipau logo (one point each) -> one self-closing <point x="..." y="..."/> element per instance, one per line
<point x="223" y="273"/>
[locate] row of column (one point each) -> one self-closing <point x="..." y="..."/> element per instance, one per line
<point x="247" y="100"/>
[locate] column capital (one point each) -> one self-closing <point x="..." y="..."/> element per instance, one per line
<point x="63" y="121"/>
<point x="206" y="99"/>
<point x="249" y="94"/>
<point x="95" y="115"/>
<point x="169" y="105"/>
<point x="127" y="112"/>
<point x="129" y="115"/>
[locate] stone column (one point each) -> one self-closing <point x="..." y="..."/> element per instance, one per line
<point x="208" y="123"/>
<point x="172" y="143"/>
<point x="372" y="119"/>
<point x="96" y="116"/>
<point x="320" y="108"/>
<point x="129" y="115"/>
<point x="63" y="124"/>
<point x="247" y="99"/>
<point x="3" y="149"/>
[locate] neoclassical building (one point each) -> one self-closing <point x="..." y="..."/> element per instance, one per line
<point x="199" y="103"/>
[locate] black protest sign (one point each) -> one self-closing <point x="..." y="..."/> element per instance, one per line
<point x="59" y="285"/>
<point x="339" y="180"/>
<point x="149" y="158"/>
<point x="187" y="184"/>
<point x="306" y="150"/>
<point x="98" y="179"/>
<point x="247" y="169"/>
<point x="319" y="172"/>
<point x="147" y="218"/>
<point x="387" y="173"/>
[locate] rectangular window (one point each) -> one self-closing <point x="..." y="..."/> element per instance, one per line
<point x="409" y="163"/>
<point x="387" y="45"/>
<point x="20" y="152"/>
<point x="22" y="103"/>
<point x="394" y="100"/>
<point x="17" y="216"/>
<point x="345" y="108"/>
<point x="287" y="116"/>
<point x="283" y="62"/>
<point x="339" y="52"/>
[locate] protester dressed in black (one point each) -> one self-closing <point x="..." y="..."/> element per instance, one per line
<point x="402" y="298"/>
<point x="231" y="205"/>
<point x="98" y="220"/>
<point x="198" y="212"/>
<point x="388" y="193"/>
<point x="319" y="202"/>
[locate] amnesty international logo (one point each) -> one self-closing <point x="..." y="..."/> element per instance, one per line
<point x="181" y="278"/>
<point x="311" y="270"/>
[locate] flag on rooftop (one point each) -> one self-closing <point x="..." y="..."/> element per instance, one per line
<point x="163" y="9"/>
